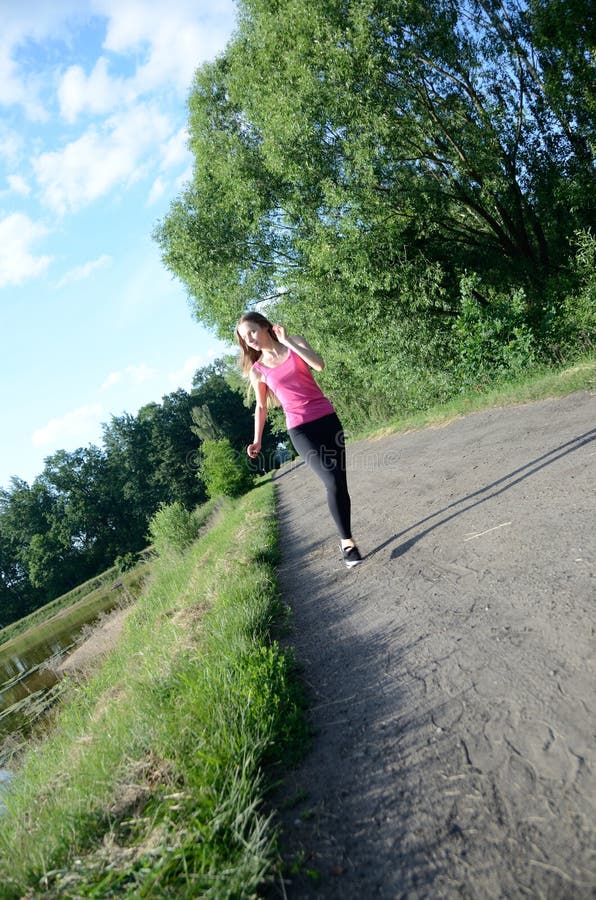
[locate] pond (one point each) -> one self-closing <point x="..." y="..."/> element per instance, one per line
<point x="29" y="680"/>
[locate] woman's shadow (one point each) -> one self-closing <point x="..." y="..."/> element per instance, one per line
<point x="482" y="495"/>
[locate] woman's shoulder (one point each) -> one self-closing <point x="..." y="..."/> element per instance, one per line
<point x="255" y="373"/>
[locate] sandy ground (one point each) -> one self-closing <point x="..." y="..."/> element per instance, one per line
<point x="452" y="674"/>
<point x="98" y="644"/>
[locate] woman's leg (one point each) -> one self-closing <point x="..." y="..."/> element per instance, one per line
<point x="321" y="444"/>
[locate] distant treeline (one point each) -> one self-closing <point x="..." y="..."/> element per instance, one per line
<point x="409" y="184"/>
<point x="91" y="507"/>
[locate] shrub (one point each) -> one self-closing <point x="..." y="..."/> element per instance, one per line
<point x="125" y="562"/>
<point x="223" y="471"/>
<point x="492" y="336"/>
<point x="173" y="528"/>
<point x="572" y="326"/>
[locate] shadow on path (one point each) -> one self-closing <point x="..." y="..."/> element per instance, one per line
<point x="523" y="472"/>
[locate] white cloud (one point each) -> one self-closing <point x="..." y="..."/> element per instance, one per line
<point x="97" y="93"/>
<point x="79" y="273"/>
<point x="133" y="374"/>
<point x="140" y="374"/>
<point x="112" y="379"/>
<point x="23" y="24"/>
<point x="175" y="151"/>
<point x="16" y="88"/>
<point x="89" y="167"/>
<point x="178" y="36"/>
<point x="169" y="40"/>
<point x="157" y="189"/>
<point x="11" y="145"/>
<point x="18" y="184"/>
<point x="72" y="427"/>
<point x="17" y="262"/>
<point x="182" y="377"/>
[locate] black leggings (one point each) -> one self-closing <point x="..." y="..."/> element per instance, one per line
<point x="321" y="444"/>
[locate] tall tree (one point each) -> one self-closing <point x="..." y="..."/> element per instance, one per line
<point x="22" y="511"/>
<point x="335" y="141"/>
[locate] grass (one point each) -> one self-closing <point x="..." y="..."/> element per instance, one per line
<point x="539" y="384"/>
<point x="151" y="779"/>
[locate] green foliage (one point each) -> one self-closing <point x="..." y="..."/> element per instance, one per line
<point x="572" y="327"/>
<point x="331" y="138"/>
<point x="409" y="186"/>
<point x="271" y="700"/>
<point x="354" y="162"/>
<point x="172" y="529"/>
<point x="125" y="562"/>
<point x="491" y="335"/>
<point x="381" y="356"/>
<point x="93" y="504"/>
<point x="223" y="470"/>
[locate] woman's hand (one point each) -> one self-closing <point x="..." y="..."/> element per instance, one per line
<point x="300" y="346"/>
<point x="253" y="450"/>
<point x="280" y="333"/>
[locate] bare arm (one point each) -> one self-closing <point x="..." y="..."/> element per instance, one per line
<point x="260" y="387"/>
<point x="300" y="346"/>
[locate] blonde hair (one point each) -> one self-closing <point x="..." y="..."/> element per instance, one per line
<point x="249" y="356"/>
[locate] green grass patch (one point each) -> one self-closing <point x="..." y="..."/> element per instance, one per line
<point x="151" y="781"/>
<point x="539" y="384"/>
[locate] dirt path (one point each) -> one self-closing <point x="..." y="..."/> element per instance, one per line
<point x="452" y="673"/>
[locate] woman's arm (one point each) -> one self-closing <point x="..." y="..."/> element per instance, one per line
<point x="300" y="346"/>
<point x="260" y="387"/>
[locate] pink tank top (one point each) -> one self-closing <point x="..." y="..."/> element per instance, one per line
<point x="292" y="383"/>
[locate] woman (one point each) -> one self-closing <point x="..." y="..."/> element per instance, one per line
<point x="278" y="368"/>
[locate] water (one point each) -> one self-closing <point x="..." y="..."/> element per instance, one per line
<point x="29" y="682"/>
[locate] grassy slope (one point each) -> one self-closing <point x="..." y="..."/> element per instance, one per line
<point x="537" y="385"/>
<point x="150" y="782"/>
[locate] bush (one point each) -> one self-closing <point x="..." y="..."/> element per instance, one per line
<point x="173" y="528"/>
<point x="223" y="471"/>
<point x="572" y="325"/>
<point x="125" y="562"/>
<point x="491" y="334"/>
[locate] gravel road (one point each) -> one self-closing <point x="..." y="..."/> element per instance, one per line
<point x="452" y="674"/>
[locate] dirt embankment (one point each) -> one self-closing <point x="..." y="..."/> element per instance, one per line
<point x="101" y="639"/>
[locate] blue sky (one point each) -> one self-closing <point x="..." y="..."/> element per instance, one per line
<point x="92" y="150"/>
